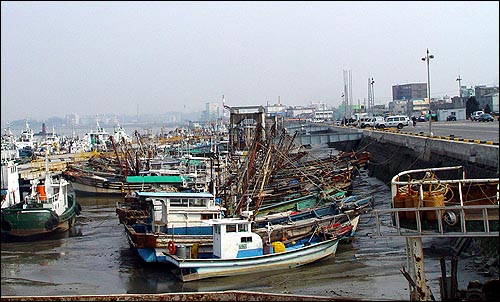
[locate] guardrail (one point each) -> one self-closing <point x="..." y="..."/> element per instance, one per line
<point x="487" y="215"/>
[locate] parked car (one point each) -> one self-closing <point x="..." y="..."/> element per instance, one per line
<point x="451" y="118"/>
<point x="475" y="115"/>
<point x="375" y="121"/>
<point x="485" y="117"/>
<point x="365" y="122"/>
<point x="398" y="121"/>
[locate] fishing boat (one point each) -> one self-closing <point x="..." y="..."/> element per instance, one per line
<point x="10" y="150"/>
<point x="26" y="138"/>
<point x="157" y="221"/>
<point x="237" y="250"/>
<point x="50" y="207"/>
<point x="339" y="219"/>
<point x="87" y="182"/>
<point x="10" y="183"/>
<point x="97" y="139"/>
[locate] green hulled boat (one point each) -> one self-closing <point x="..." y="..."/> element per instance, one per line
<point x="50" y="207"/>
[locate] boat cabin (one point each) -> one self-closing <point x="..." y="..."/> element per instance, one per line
<point x="182" y="213"/>
<point x="232" y="238"/>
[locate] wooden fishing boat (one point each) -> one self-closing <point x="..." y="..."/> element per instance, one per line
<point x="301" y="202"/>
<point x="339" y="219"/>
<point x="88" y="182"/>
<point x="237" y="250"/>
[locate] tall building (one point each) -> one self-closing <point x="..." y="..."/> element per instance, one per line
<point x="73" y="119"/>
<point x="409" y="91"/>
<point x="211" y="112"/>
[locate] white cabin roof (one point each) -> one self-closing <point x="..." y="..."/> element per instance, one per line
<point x="176" y="194"/>
<point x="225" y="221"/>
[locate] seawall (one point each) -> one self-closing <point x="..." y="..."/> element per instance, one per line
<point x="393" y="152"/>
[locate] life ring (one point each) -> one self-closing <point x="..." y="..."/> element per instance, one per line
<point x="171" y="247"/>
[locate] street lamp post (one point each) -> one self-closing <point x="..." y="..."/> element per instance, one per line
<point x="427" y="58"/>
<point x="460" y="91"/>
<point x="345" y="111"/>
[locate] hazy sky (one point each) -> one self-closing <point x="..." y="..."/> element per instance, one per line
<point x="156" y="57"/>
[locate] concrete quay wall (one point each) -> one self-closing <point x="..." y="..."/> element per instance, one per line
<point x="394" y="152"/>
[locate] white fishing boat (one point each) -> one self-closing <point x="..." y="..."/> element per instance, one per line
<point x="157" y="221"/>
<point x="10" y="151"/>
<point x="10" y="184"/>
<point x="119" y="134"/>
<point x="27" y="138"/>
<point x="97" y="139"/>
<point x="237" y="250"/>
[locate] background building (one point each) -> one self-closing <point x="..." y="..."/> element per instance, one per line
<point x="409" y="91"/>
<point x="211" y="112"/>
<point x="487" y="96"/>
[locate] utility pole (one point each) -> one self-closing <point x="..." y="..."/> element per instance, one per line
<point x="460" y="91"/>
<point x="371" y="96"/>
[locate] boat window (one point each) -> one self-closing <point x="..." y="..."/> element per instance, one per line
<point x="179" y="202"/>
<point x="242" y="228"/>
<point x="207" y="216"/>
<point x="230" y="228"/>
<point x="216" y="229"/>
<point x="196" y="202"/>
<point x="246" y="239"/>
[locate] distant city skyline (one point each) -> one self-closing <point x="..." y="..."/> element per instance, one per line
<point x="132" y="58"/>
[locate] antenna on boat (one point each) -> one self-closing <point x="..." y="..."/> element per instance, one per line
<point x="47" y="159"/>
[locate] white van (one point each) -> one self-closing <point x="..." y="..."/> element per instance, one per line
<point x="375" y="121"/>
<point x="398" y="121"/>
<point x="475" y="115"/>
<point x="365" y="122"/>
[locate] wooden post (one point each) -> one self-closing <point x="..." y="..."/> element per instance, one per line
<point x="454" y="282"/>
<point x="443" y="284"/>
<point x="416" y="259"/>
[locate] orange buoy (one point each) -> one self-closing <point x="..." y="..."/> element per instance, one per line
<point x="399" y="202"/>
<point x="433" y="200"/>
<point x="171" y="247"/>
<point x="40" y="189"/>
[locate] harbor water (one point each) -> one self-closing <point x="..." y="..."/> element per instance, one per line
<point x="95" y="258"/>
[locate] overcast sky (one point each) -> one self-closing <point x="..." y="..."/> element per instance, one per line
<point x="157" y="57"/>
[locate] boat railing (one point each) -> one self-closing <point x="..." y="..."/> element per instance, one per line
<point x="449" y="221"/>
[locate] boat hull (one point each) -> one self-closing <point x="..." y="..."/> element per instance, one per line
<point x="196" y="269"/>
<point x="110" y="188"/>
<point x="20" y="221"/>
<point x="150" y="246"/>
